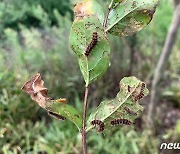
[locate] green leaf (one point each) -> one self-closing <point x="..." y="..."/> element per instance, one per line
<point x="63" y="110"/>
<point x="126" y="99"/>
<point x="96" y="63"/>
<point x="130" y="16"/>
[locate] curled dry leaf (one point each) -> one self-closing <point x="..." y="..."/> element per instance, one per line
<point x="58" y="109"/>
<point x="35" y="88"/>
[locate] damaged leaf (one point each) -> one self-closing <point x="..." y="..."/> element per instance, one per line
<point x="64" y="111"/>
<point x="89" y="7"/>
<point x="88" y="40"/>
<point x="35" y="88"/>
<point x="130" y="16"/>
<point x="55" y="108"/>
<point x="95" y="63"/>
<point x="124" y="109"/>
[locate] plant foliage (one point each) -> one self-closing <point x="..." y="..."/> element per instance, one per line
<point x="124" y="106"/>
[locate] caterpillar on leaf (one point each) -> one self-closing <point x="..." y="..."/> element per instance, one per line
<point x="92" y="44"/>
<point x="98" y="123"/>
<point x="117" y="122"/>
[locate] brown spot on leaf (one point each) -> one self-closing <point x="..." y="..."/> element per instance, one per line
<point x="76" y="116"/>
<point x="61" y="100"/>
<point x="83" y="8"/>
<point x="134" y="4"/>
<point x="128" y="110"/>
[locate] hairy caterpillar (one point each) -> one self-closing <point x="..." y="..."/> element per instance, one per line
<point x="57" y="116"/>
<point x="100" y="124"/>
<point x="91" y="45"/>
<point x="116" y="122"/>
<point x="141" y="94"/>
<point x="128" y="110"/>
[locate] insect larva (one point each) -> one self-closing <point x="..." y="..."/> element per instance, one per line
<point x="98" y="123"/>
<point x="57" y="116"/>
<point x="92" y="44"/>
<point x="143" y="86"/>
<point x="141" y="94"/>
<point x="126" y="122"/>
<point x="128" y="110"/>
<point x="117" y="122"/>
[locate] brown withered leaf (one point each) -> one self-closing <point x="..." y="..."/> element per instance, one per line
<point x="58" y="109"/>
<point x="35" y="88"/>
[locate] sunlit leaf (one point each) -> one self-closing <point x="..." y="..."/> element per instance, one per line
<point x="130" y="16"/>
<point x="96" y="63"/>
<point x="124" y="106"/>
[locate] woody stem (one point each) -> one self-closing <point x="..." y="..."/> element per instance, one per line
<point x="83" y="131"/>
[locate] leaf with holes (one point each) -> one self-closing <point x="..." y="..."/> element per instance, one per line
<point x="130" y="16"/>
<point x="124" y="107"/>
<point x="64" y="111"/>
<point x="91" y="46"/>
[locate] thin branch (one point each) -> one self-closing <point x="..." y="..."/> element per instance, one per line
<point x="107" y="14"/>
<point x="106" y="18"/>
<point x="159" y="70"/>
<point x="84" y="122"/>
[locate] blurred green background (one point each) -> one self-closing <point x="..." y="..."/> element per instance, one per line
<point x="34" y="38"/>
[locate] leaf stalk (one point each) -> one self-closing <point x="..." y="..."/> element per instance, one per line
<point x="107" y="14"/>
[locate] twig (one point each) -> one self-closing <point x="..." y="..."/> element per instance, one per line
<point x="106" y="18"/>
<point x="84" y="122"/>
<point x="107" y="14"/>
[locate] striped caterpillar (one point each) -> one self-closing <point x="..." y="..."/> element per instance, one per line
<point x="100" y="124"/>
<point x="57" y="116"/>
<point x="141" y="94"/>
<point x="116" y="122"/>
<point x="128" y="110"/>
<point x="92" y="44"/>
